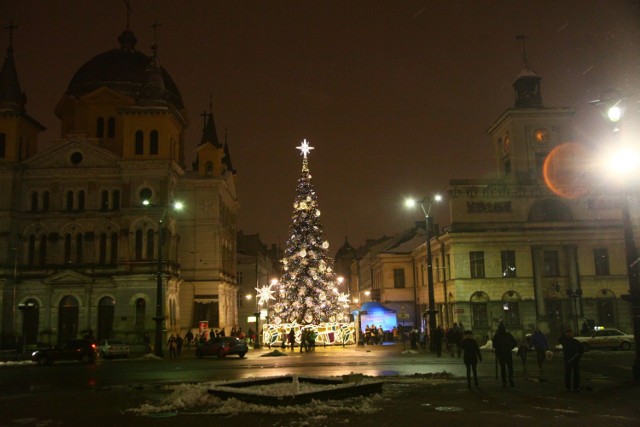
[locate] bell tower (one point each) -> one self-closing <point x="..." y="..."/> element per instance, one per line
<point x="18" y="131"/>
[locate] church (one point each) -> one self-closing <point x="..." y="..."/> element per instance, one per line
<point x="89" y="237"/>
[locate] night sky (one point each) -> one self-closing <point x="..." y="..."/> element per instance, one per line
<point x="395" y="96"/>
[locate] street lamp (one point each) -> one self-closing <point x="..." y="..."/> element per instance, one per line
<point x="159" y="318"/>
<point x="611" y="102"/>
<point x="431" y="311"/>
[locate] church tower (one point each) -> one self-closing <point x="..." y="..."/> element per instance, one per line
<point x="18" y="131"/>
<point x="525" y="134"/>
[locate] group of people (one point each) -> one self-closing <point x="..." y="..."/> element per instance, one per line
<point x="373" y="335"/>
<point x="452" y="338"/>
<point x="308" y="338"/>
<point x="504" y="343"/>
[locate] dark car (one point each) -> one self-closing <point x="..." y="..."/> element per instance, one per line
<point x="82" y="350"/>
<point x="222" y="346"/>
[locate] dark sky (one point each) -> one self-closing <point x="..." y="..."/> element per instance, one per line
<point x="395" y="96"/>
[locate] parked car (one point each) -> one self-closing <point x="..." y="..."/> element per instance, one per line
<point x="112" y="348"/>
<point x="607" y="338"/>
<point x="82" y="350"/>
<point x="222" y="346"/>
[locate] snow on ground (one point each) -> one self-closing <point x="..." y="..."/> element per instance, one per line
<point x="194" y="398"/>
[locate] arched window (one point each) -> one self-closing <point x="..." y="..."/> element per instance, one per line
<point x="42" y="251"/>
<point x="138" y="251"/>
<point x="106" y="311"/>
<point x="150" y="234"/>
<point x="31" y="251"/>
<point x="479" y="309"/>
<point x="3" y="145"/>
<point x="81" y="200"/>
<point x="111" y="127"/>
<point x="102" y="250"/>
<point x="68" y="314"/>
<point x="34" y="201"/>
<point x="100" y="128"/>
<point x="141" y="306"/>
<point x="115" y="202"/>
<point x="31" y="321"/>
<point x="67" y="248"/>
<point x="69" y="200"/>
<point x="104" y="200"/>
<point x="139" y="147"/>
<point x="45" y="201"/>
<point x="153" y="142"/>
<point x="114" y="248"/>
<point x="79" y="248"/>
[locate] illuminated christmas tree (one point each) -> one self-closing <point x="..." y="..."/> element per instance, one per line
<point x="307" y="293"/>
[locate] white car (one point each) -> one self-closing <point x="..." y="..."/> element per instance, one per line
<point x="607" y="338"/>
<point x="112" y="348"/>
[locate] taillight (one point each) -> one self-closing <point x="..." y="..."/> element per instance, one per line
<point x="93" y="346"/>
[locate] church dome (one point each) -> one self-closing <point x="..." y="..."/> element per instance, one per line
<point x="123" y="70"/>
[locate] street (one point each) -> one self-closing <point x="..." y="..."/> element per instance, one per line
<point x="114" y="391"/>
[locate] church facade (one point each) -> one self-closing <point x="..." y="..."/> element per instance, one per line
<point x="88" y="232"/>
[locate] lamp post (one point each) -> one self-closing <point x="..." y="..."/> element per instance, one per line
<point x="159" y="317"/>
<point x="612" y="103"/>
<point x="431" y="311"/>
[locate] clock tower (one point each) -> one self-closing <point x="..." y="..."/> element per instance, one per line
<point x="526" y="133"/>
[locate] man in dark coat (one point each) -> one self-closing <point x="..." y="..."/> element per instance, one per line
<point x="471" y="357"/>
<point x="572" y="351"/>
<point x="436" y="340"/>
<point x="504" y="343"/>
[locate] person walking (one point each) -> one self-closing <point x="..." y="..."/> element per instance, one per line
<point x="292" y="338"/>
<point x="471" y="356"/>
<point x="188" y="338"/>
<point x="504" y="343"/>
<point x="572" y="351"/>
<point x="540" y="344"/>
<point x="436" y="340"/>
<point x="179" y="343"/>
<point x="171" y="344"/>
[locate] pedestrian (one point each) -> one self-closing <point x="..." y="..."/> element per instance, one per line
<point x="471" y="357"/>
<point x="303" y="340"/>
<point x="459" y="337"/>
<point x="572" y="351"/>
<point x="504" y="343"/>
<point x="292" y="338"/>
<point x="179" y="342"/>
<point x="250" y="335"/>
<point x="436" y="340"/>
<point x="541" y="346"/>
<point x="171" y="345"/>
<point x="188" y="337"/>
<point x="523" y="349"/>
<point x="450" y="338"/>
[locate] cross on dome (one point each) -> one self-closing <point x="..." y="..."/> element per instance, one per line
<point x="305" y="148"/>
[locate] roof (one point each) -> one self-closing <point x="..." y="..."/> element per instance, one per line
<point x="123" y="70"/>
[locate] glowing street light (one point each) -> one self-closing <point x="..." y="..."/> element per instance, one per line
<point x="626" y="160"/>
<point x="428" y="201"/>
<point x="159" y="318"/>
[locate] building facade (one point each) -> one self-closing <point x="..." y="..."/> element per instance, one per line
<point x="538" y="244"/>
<point x="87" y="225"/>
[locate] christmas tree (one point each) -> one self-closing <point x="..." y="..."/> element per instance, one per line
<point x="307" y="293"/>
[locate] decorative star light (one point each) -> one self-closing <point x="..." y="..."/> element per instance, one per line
<point x="305" y="148"/>
<point x="344" y="298"/>
<point x="264" y="294"/>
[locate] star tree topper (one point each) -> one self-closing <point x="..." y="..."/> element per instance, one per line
<point x="264" y="294"/>
<point x="305" y="148"/>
